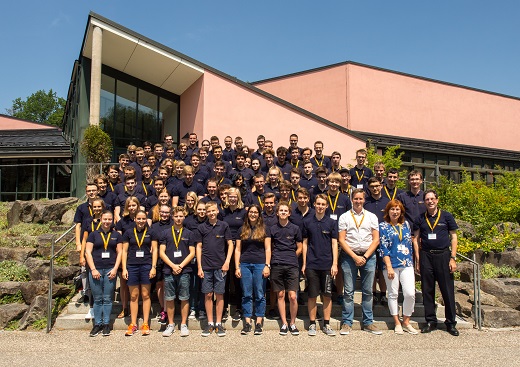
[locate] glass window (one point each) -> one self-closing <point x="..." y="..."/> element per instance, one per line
<point x="442" y="159"/>
<point x="417" y="157"/>
<point x="168" y="117"/>
<point x="106" y="107"/>
<point x="147" y="118"/>
<point x="126" y="102"/>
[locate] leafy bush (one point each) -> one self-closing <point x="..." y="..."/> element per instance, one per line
<point x="12" y="325"/>
<point x="96" y="145"/>
<point x="40" y="324"/>
<point x="12" y="298"/>
<point x="488" y="271"/>
<point x="391" y="159"/>
<point x="11" y="271"/>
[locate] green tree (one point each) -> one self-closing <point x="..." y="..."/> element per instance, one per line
<point x="41" y="106"/>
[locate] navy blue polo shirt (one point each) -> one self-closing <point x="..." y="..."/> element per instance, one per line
<point x="177" y="253"/>
<point x="377" y="206"/>
<point x="172" y="182"/>
<point x="121" y="199"/>
<point x="150" y="202"/>
<point x="201" y="177"/>
<point x="133" y="248"/>
<point x="147" y="188"/>
<point x="321" y="162"/>
<point x="110" y="200"/>
<point x="360" y="176"/>
<point x="441" y="231"/>
<point x="297" y="216"/>
<point x="207" y="199"/>
<point x="269" y="219"/>
<point x="283" y="243"/>
<point x="182" y="189"/>
<point x="252" y="251"/>
<point x="338" y="204"/>
<point x="391" y="193"/>
<point x="274" y="190"/>
<point x="413" y="204"/>
<point x="125" y="224"/>
<point x="254" y="198"/>
<point x="100" y="262"/>
<point x="228" y="155"/>
<point x="214" y="243"/>
<point x="90" y="225"/>
<point x="247" y="173"/>
<point x="192" y="222"/>
<point x="83" y="211"/>
<point x="120" y="189"/>
<point x="158" y="227"/>
<point x="285" y="168"/>
<point x="320" y="234"/>
<point x="309" y="183"/>
<point x="235" y="220"/>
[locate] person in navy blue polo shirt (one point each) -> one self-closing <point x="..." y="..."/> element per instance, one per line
<point x="128" y="191"/>
<point x="177" y="249"/>
<point x="319" y="160"/>
<point x="360" y="173"/>
<point x="320" y="261"/>
<point x="285" y="240"/>
<point x="84" y="211"/>
<point x="103" y="253"/>
<point x="308" y="180"/>
<point x="413" y="200"/>
<point x="179" y="192"/>
<point x="257" y="197"/>
<point x="339" y="203"/>
<point x="269" y="213"/>
<point x="213" y="260"/>
<point x="435" y="232"/>
<point x="139" y="267"/>
<point x="390" y="189"/>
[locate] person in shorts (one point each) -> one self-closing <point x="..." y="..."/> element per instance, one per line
<point x="177" y="249"/>
<point x="213" y="260"/>
<point x="320" y="261"/>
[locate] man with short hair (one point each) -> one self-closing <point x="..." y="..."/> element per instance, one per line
<point x="390" y="189"/>
<point x="295" y="157"/>
<point x="345" y="187"/>
<point x="192" y="144"/>
<point x="413" y="200"/>
<point x="308" y="180"/>
<point x="217" y="154"/>
<point x="179" y="192"/>
<point x="338" y="203"/>
<point x="129" y="190"/>
<point x="239" y="143"/>
<point x="320" y="262"/>
<point x="335" y="161"/>
<point x="240" y="167"/>
<point x="158" y="151"/>
<point x="268" y="213"/>
<point x="256" y="197"/>
<point x="228" y="154"/>
<point x="295" y="182"/>
<point x="219" y="171"/>
<point x="293" y="143"/>
<point x="268" y="160"/>
<point x="379" y="171"/>
<point x="281" y="162"/>
<point x="212" y="191"/>
<point x="321" y="187"/>
<point x="124" y="160"/>
<point x="306" y="154"/>
<point x="437" y="231"/>
<point x="319" y="160"/>
<point x="359" y="174"/>
<point x="258" y="154"/>
<point x="199" y="175"/>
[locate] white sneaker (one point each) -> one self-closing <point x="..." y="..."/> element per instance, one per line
<point x="184" y="330"/>
<point x="410" y="329"/>
<point x="192" y="315"/>
<point x="398" y="329"/>
<point x="90" y="314"/>
<point x="170" y="329"/>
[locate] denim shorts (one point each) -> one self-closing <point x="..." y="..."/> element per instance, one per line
<point x="177" y="286"/>
<point x="214" y="281"/>
<point x="139" y="274"/>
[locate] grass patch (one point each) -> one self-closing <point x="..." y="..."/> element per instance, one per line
<point x="30" y="229"/>
<point x="11" y="271"/>
<point x="488" y="271"/>
<point x="12" y="325"/>
<point x="40" y="324"/>
<point x="12" y="298"/>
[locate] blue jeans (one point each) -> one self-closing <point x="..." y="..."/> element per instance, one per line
<point x="350" y="271"/>
<point x="253" y="282"/>
<point x="102" y="291"/>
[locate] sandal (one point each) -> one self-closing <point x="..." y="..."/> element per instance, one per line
<point x="122" y="314"/>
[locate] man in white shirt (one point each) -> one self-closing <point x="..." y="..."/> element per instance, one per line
<point x="358" y="238"/>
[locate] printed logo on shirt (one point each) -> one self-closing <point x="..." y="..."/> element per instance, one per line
<point x="325" y="232"/>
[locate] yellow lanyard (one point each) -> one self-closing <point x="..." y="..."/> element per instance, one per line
<point x="436" y="220"/>
<point x="177" y="240"/>
<point x="144" y="188"/>
<point x="333" y="206"/>
<point x="388" y="194"/>
<point x="90" y="210"/>
<point x="99" y="225"/>
<point x="111" y="186"/>
<point x="336" y="169"/>
<point x="355" y="221"/>
<point x="292" y="194"/>
<point x="362" y="175"/>
<point x="319" y="163"/>
<point x="400" y="232"/>
<point x="105" y="240"/>
<point x="260" y="202"/>
<point x="222" y="179"/>
<point x="297" y="163"/>
<point x="139" y="243"/>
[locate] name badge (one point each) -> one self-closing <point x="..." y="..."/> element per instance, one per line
<point x="334" y="216"/>
<point x="139" y="254"/>
<point x="360" y="186"/>
<point x="105" y="255"/>
<point x="432" y="236"/>
<point x="177" y="254"/>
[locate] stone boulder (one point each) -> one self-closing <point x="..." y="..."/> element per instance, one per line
<point x="73" y="258"/>
<point x="465" y="268"/>
<point x="499" y="317"/>
<point x="38" y="268"/>
<point x="11" y="312"/>
<point x="507" y="290"/>
<point x="36" y="311"/>
<point x="19" y="254"/>
<point x="509" y="257"/>
<point x="466" y="228"/>
<point x="39" y="211"/>
<point x="30" y="290"/>
<point x="9" y="288"/>
<point x="462" y="305"/>
<point x="65" y="274"/>
<point x="68" y="217"/>
<point x="488" y="300"/>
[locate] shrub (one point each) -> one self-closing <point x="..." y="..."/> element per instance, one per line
<point x="488" y="271"/>
<point x="12" y="298"/>
<point x="96" y="145"/>
<point x="11" y="271"/>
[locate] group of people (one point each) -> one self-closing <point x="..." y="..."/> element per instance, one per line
<point x="209" y="226"/>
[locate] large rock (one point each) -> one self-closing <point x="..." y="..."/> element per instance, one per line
<point x="68" y="217"/>
<point x="19" y="254"/>
<point x="466" y="228"/>
<point x="488" y="300"/>
<point x="38" y="268"/>
<point x="73" y="258"/>
<point x="507" y="290"/>
<point x="36" y="311"/>
<point x="9" y="288"/>
<point x="11" y="312"/>
<point x="508" y="257"/>
<point x="65" y="274"/>
<point x="39" y="211"/>
<point x="462" y="305"/>
<point x="30" y="290"/>
<point x="499" y="317"/>
<point x="465" y="268"/>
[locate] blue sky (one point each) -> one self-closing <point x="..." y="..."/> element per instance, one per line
<point x="469" y="42"/>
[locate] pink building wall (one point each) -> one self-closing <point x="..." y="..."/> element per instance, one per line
<point x="231" y="109"/>
<point x="388" y="103"/>
<point x="192" y="109"/>
<point x="11" y="123"/>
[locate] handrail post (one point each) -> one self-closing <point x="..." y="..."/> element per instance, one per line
<point x="51" y="280"/>
<point x="479" y="298"/>
<point x="48" y="174"/>
<point x="475" y="291"/>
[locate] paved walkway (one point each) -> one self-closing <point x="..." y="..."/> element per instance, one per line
<point x="66" y="348"/>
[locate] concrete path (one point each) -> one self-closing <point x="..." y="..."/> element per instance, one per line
<point x="75" y="347"/>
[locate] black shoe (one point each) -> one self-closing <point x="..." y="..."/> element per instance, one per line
<point x="82" y="299"/>
<point x="237" y="316"/>
<point x="429" y="327"/>
<point x="96" y="330"/>
<point x="258" y="329"/>
<point x="225" y="316"/>
<point x="453" y="330"/>
<point x="246" y="329"/>
<point x="106" y="330"/>
<point x="294" y="330"/>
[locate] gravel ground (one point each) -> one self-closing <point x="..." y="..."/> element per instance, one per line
<point x="65" y="348"/>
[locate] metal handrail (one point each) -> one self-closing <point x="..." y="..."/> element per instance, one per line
<point x="477" y="306"/>
<point x="51" y="272"/>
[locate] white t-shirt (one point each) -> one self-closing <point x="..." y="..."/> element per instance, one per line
<point x="359" y="228"/>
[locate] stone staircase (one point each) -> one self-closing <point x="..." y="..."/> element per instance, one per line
<point x="73" y="317"/>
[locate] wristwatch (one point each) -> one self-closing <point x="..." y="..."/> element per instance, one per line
<point x="268" y="265"/>
<point x="453" y="257"/>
